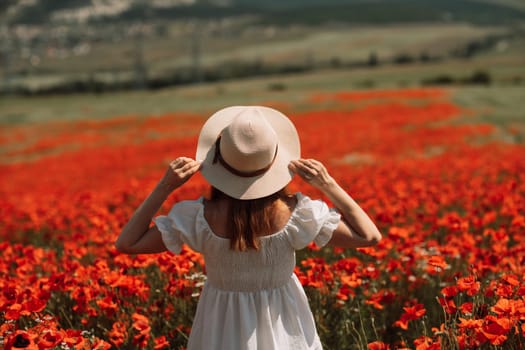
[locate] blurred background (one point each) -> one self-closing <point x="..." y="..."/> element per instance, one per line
<point x="71" y="59"/>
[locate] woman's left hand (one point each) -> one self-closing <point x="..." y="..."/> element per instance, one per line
<point x="179" y="171"/>
<point x="312" y="171"/>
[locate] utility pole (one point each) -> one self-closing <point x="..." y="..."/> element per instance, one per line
<point x="140" y="68"/>
<point x="196" y="54"/>
<point x="5" y="56"/>
<point x="139" y="64"/>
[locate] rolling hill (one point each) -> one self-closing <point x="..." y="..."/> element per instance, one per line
<point x="271" y="11"/>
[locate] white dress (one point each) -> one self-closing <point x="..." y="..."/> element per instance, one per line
<point x="252" y="299"/>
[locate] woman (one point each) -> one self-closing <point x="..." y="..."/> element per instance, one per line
<point x="249" y="229"/>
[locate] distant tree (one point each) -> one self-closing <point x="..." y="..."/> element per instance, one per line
<point x="373" y="59"/>
<point x="335" y="62"/>
<point x="4" y="5"/>
<point x="424" y="56"/>
<point x="479" y="77"/>
<point x="403" y="58"/>
<point x="443" y="79"/>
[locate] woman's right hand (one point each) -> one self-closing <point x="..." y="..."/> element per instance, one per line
<point x="179" y="171"/>
<point x="313" y="172"/>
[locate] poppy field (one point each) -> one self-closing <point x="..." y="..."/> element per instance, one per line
<point x="446" y="192"/>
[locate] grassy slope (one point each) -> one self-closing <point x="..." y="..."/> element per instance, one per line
<point x="274" y="46"/>
<point x="291" y="89"/>
<point x="304" y="11"/>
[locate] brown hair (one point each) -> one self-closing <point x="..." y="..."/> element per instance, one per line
<point x="249" y="218"/>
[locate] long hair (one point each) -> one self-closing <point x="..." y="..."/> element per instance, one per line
<point x="250" y="218"/>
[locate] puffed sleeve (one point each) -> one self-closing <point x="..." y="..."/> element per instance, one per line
<point x="311" y="220"/>
<point x="182" y="225"/>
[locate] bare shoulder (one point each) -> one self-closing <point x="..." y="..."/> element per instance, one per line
<point x="283" y="211"/>
<point x="216" y="215"/>
<point x="290" y="201"/>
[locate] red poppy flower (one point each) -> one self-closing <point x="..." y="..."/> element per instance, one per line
<point x="21" y="340"/>
<point x="436" y="264"/>
<point x="427" y="343"/>
<point x="495" y="330"/>
<point x="378" y="345"/>
<point x="142" y="330"/>
<point x="449" y="291"/>
<point x="161" y="343"/>
<point x="467" y="308"/>
<point x="73" y="337"/>
<point x="449" y="306"/>
<point x="411" y="313"/>
<point x="118" y="334"/>
<point x="51" y="338"/>
<point x="469" y="285"/>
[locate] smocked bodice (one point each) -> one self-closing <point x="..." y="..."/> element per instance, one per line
<point x="269" y="267"/>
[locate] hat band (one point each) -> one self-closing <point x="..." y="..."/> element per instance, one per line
<point x="218" y="158"/>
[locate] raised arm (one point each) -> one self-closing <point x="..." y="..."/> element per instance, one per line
<point x="137" y="237"/>
<point x="356" y="229"/>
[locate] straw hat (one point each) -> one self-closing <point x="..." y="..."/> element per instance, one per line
<point x="245" y="151"/>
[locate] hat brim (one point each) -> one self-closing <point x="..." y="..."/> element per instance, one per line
<point x="273" y="180"/>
